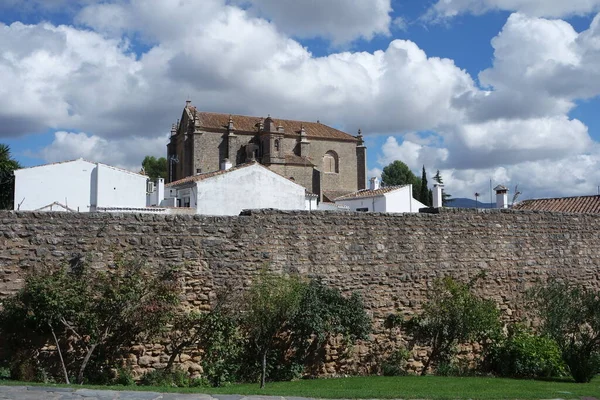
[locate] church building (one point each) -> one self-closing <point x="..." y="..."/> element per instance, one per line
<point x="325" y="160"/>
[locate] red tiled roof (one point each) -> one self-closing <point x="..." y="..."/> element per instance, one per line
<point x="329" y="196"/>
<point x="580" y="204"/>
<point x="219" y="122"/>
<point x="370" y="193"/>
<point x="201" y="177"/>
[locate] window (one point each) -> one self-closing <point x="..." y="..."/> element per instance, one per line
<point x="277" y="145"/>
<point x="365" y="209"/>
<point x="330" y="162"/>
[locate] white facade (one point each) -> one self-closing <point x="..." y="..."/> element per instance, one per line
<point x="388" y="200"/>
<point x="78" y="185"/>
<point x="246" y="187"/>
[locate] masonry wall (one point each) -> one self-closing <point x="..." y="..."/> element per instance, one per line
<point x="390" y="259"/>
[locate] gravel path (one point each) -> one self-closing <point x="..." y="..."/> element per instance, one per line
<point x="55" y="393"/>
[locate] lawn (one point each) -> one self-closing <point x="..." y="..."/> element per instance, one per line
<point x="407" y="387"/>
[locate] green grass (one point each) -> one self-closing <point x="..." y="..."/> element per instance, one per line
<point x="407" y="387"/>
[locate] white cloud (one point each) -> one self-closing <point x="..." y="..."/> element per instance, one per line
<point x="341" y="21"/>
<point x="540" y="8"/>
<point x="126" y="153"/>
<point x="230" y="60"/>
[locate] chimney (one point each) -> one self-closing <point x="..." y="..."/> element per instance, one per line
<point x="226" y="164"/>
<point x="501" y="196"/>
<point x="375" y="184"/>
<point x="438" y="195"/>
<point x="160" y="191"/>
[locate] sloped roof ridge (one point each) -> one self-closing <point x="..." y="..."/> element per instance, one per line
<point x="371" y="193"/>
<point x="248" y="122"/>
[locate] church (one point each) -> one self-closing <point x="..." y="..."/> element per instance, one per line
<point x="326" y="161"/>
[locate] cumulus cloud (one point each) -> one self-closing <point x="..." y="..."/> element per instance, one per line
<point x="240" y="60"/>
<point x="539" y="8"/>
<point x="341" y="21"/>
<point x="126" y="153"/>
<point x="232" y="62"/>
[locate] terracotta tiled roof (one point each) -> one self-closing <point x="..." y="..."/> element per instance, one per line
<point x="580" y="204"/>
<point x="370" y="193"/>
<point x="329" y="196"/>
<point x="201" y="177"/>
<point x="219" y="122"/>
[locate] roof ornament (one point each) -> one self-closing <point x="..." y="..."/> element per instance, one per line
<point x="230" y="126"/>
<point x="359" y="137"/>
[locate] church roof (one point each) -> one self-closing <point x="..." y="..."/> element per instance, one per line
<point x="579" y="204"/>
<point x="219" y="122"/>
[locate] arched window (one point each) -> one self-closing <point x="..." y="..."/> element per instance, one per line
<point x="330" y="163"/>
<point x="277" y="145"/>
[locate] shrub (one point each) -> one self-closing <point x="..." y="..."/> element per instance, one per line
<point x="96" y="312"/>
<point x="452" y="315"/>
<point x="161" y="377"/>
<point x="524" y="354"/>
<point x="570" y="315"/>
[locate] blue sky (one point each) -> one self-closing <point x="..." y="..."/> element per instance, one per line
<point x="476" y="89"/>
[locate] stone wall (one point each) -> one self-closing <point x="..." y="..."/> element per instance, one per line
<point x="390" y="259"/>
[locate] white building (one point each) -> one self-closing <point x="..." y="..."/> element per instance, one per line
<point x="78" y="185"/>
<point x="390" y="199"/>
<point x="231" y="190"/>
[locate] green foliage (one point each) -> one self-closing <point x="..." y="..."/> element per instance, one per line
<point x="124" y="377"/>
<point x="570" y="315"/>
<point x="398" y="173"/>
<point x="288" y="322"/>
<point x="270" y="304"/>
<point x="523" y="354"/>
<point x="446" y="197"/>
<point x="395" y="364"/>
<point x="95" y="312"/>
<point x="223" y="344"/>
<point x="424" y="190"/>
<point x="155" y="167"/>
<point x="7" y="178"/>
<point x="161" y="377"/>
<point x="452" y="315"/>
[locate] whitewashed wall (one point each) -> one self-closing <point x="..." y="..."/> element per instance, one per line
<point x="251" y="187"/>
<point x="119" y="188"/>
<point x="397" y="201"/>
<point x="372" y="204"/>
<point x="68" y="183"/>
<point x="402" y="201"/>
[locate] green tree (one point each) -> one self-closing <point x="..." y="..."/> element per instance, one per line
<point x="155" y="167"/>
<point x="270" y="305"/>
<point x="452" y="315"/>
<point x="424" y="191"/>
<point x="570" y="314"/>
<point x="96" y="312"/>
<point x="7" y="177"/>
<point x="397" y="174"/>
<point x="446" y="197"/>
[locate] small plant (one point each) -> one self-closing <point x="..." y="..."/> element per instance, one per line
<point x="395" y="364"/>
<point x="523" y="354"/>
<point x="161" y="377"/>
<point x="124" y="377"/>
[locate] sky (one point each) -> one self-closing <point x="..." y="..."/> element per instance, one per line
<point x="505" y="91"/>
